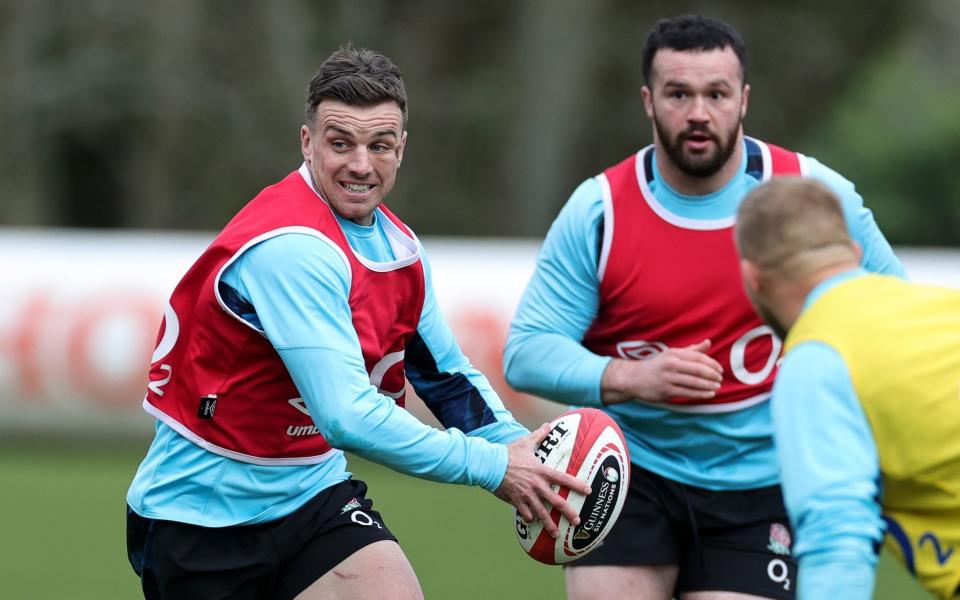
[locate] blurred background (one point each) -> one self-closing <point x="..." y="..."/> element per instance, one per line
<point x="131" y="131"/>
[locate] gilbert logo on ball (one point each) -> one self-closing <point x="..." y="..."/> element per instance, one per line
<point x="589" y="445"/>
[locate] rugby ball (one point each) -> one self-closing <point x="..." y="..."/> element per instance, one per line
<point x="589" y="445"/>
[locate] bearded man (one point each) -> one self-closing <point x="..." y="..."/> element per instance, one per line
<point x="636" y="307"/>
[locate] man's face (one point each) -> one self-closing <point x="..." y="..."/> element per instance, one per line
<point x="353" y="154"/>
<point x="767" y="316"/>
<point x="750" y="275"/>
<point x="697" y="104"/>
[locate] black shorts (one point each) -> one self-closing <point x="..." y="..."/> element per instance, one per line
<point x="278" y="559"/>
<point x="734" y="541"/>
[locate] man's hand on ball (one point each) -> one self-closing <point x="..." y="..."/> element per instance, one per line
<point x="527" y="484"/>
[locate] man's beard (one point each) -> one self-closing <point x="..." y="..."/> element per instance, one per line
<point x="703" y="165"/>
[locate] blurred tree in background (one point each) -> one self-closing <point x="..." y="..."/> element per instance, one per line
<point x="174" y="114"/>
<point x="896" y="131"/>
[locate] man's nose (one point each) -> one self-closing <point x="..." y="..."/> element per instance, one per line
<point x="698" y="111"/>
<point x="360" y="161"/>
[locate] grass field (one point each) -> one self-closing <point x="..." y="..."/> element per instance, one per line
<point x="63" y="532"/>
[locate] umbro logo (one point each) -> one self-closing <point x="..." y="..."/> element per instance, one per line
<point x="640" y="349"/>
<point x="208" y="406"/>
<point x="299" y="404"/>
<point x="301" y="430"/>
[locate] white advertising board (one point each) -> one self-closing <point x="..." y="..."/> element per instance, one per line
<point x="80" y="310"/>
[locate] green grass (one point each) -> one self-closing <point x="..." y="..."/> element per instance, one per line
<point x="63" y="532"/>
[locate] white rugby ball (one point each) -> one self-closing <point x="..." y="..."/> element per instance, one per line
<point x="589" y="445"/>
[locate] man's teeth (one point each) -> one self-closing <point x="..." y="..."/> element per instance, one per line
<point x="359" y="188"/>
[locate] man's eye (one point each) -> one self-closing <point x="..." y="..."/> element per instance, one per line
<point x="338" y="145"/>
<point x="678" y="95"/>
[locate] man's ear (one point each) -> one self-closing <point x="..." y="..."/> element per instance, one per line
<point x="305" y="137"/>
<point x="647" y="101"/>
<point x="745" y="101"/>
<point x="858" y="251"/>
<point x="401" y="146"/>
<point x="750" y="274"/>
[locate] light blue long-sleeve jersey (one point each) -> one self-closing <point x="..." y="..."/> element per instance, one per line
<point x="295" y="288"/>
<point x="830" y="469"/>
<point x="544" y="355"/>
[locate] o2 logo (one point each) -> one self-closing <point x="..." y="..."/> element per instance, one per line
<point x="361" y="518"/>
<point x="778" y="572"/>
<point x="171" y="332"/>
<point x="738" y="354"/>
<point x="642" y="350"/>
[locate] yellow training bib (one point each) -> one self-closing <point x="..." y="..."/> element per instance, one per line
<point x="901" y="344"/>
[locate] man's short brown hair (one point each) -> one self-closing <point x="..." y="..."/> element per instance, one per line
<point x="357" y="77"/>
<point x="791" y="224"/>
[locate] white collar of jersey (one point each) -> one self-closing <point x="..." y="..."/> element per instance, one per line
<point x="405" y="247"/>
<point x="663" y="212"/>
<point x="700" y="224"/>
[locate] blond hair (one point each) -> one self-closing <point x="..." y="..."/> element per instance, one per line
<point x="791" y="226"/>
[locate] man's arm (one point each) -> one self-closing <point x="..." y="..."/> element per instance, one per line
<point x="544" y="356"/>
<point x="298" y="286"/>
<point x="878" y="255"/>
<point x="457" y="394"/>
<point x="830" y="473"/>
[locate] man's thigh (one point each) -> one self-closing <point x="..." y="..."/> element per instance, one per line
<point x="725" y="544"/>
<point x="378" y="570"/>
<point x="181" y="561"/>
<point x="649" y="531"/>
<point x="639" y="557"/>
<point x="619" y="582"/>
<point x="740" y="547"/>
<point x="339" y="548"/>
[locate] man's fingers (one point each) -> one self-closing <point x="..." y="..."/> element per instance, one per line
<point x="696" y="370"/>
<point x="712" y="364"/>
<point x="575" y="485"/>
<point x="693" y="382"/>
<point x="701" y="346"/>
<point x="569" y="481"/>
<point x="525" y="513"/>
<point x="543" y="513"/>
<point x="690" y="359"/>
<point x="682" y="392"/>
<point x="538" y="435"/>
<point x="566" y="509"/>
<point x="698" y="352"/>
